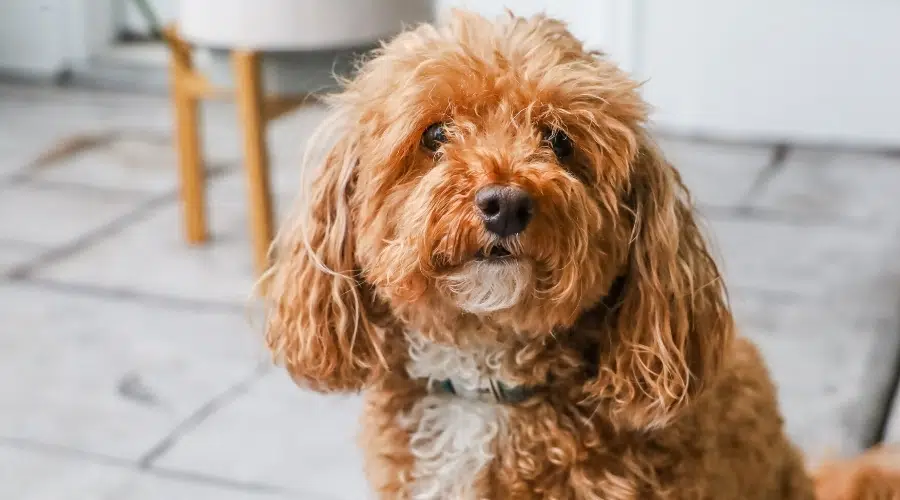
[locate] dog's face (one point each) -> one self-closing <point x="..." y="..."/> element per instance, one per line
<point x="489" y="179"/>
<point x="492" y="165"/>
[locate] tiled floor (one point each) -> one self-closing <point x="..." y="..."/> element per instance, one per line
<point x="132" y="366"/>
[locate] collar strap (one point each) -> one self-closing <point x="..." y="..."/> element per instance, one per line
<point x="497" y="392"/>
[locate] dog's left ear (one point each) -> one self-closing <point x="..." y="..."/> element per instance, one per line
<point x="671" y="325"/>
<point x="320" y="319"/>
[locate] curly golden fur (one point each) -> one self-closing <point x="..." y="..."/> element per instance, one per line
<point x="609" y="304"/>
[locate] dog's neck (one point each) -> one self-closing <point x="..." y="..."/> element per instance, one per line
<point x="474" y="372"/>
<point x="478" y="371"/>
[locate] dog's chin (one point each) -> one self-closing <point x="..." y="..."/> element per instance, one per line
<point x="483" y="286"/>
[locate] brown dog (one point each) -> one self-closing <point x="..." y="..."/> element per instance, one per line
<point x="497" y="252"/>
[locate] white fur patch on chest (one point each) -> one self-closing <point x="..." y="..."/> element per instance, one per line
<point x="451" y="437"/>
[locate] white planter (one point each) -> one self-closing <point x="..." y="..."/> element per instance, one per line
<point x="287" y="72"/>
<point x="304" y="41"/>
<point x="292" y="25"/>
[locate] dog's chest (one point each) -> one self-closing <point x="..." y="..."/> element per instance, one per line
<point x="452" y="436"/>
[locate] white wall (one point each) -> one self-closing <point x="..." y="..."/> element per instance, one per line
<point x="42" y="38"/>
<point x="807" y="70"/>
<point x="31" y="41"/>
<point x="781" y="70"/>
<point x="601" y="24"/>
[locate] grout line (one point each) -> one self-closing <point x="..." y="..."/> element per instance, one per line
<point x="71" y="145"/>
<point x="672" y="134"/>
<point x="142" y="211"/>
<point x="55" y="449"/>
<point x="34" y="180"/>
<point x="714" y="212"/>
<point x="776" y="164"/>
<point x="891" y="400"/>
<point x="250" y="487"/>
<point x="200" y="415"/>
<point x="153" y="299"/>
<point x="168" y="473"/>
<point x="684" y="135"/>
<point x="107" y="192"/>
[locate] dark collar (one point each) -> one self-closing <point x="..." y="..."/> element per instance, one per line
<point x="497" y="392"/>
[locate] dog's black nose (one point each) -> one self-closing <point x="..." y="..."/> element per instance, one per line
<point x="506" y="210"/>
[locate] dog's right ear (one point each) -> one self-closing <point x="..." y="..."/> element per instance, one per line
<point x="673" y="326"/>
<point x="316" y="320"/>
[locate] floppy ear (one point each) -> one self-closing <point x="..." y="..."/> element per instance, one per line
<point x="671" y="325"/>
<point x="317" y="320"/>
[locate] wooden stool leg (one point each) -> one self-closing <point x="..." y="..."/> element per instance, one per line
<point x="190" y="161"/>
<point x="251" y="104"/>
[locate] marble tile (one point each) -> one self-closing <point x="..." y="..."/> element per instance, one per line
<point x="857" y="187"/>
<point x="150" y="487"/>
<point x="32" y="475"/>
<point x="147" y="160"/>
<point x="139" y="163"/>
<point x="230" y="196"/>
<point x="14" y="254"/>
<point x="52" y="109"/>
<point x="113" y="376"/>
<point x="821" y="301"/>
<point x="826" y="261"/>
<point x="151" y="255"/>
<point x="18" y="150"/>
<point x="287" y="141"/>
<point x="133" y="128"/>
<point x="833" y="367"/>
<point x="718" y="175"/>
<point x="48" y="118"/>
<point x="53" y="216"/>
<point x="282" y="435"/>
<point x="892" y="424"/>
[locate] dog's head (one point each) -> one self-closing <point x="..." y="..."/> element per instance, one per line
<point x="495" y="174"/>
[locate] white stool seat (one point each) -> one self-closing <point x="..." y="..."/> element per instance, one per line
<point x="296" y="25"/>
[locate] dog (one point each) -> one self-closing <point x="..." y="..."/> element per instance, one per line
<point x="494" y="249"/>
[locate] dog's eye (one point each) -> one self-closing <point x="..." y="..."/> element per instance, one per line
<point x="559" y="142"/>
<point x="434" y="136"/>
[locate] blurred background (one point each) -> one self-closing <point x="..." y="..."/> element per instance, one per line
<point x="147" y="148"/>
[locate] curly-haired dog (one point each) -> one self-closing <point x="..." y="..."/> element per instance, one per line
<point x="497" y="252"/>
